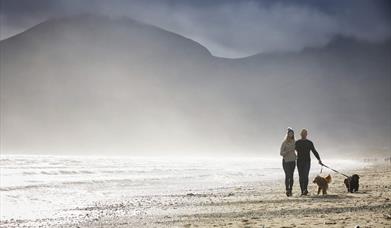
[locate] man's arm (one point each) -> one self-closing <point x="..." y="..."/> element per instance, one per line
<point x="315" y="152"/>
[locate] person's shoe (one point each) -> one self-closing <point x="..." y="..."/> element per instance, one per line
<point x="304" y="193"/>
<point x="287" y="193"/>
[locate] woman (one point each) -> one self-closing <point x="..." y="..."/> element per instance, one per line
<point x="289" y="159"/>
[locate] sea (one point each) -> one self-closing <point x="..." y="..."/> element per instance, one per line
<point x="41" y="186"/>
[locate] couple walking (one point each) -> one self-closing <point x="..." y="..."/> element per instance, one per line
<point x="303" y="147"/>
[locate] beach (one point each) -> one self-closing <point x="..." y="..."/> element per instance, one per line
<point x="266" y="206"/>
<point x="239" y="204"/>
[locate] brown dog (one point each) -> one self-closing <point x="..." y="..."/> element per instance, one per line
<point x="323" y="183"/>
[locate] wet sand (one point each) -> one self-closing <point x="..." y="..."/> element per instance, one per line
<point x="252" y="205"/>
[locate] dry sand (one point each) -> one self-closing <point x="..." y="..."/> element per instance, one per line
<point x="254" y="205"/>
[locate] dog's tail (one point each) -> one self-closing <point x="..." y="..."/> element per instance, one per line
<point x="328" y="178"/>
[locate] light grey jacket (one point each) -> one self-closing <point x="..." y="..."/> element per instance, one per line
<point x="287" y="151"/>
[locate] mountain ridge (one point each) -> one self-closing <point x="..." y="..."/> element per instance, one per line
<point x="113" y="86"/>
<point x="338" y="41"/>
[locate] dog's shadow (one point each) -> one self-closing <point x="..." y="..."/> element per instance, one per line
<point x="331" y="196"/>
<point x="360" y="192"/>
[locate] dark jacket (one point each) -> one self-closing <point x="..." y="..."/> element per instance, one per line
<point x="303" y="148"/>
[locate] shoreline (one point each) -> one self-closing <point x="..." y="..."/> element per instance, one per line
<point x="262" y="204"/>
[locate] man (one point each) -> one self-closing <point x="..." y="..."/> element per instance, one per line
<point x="303" y="148"/>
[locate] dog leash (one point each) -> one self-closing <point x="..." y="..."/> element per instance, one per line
<point x="332" y="170"/>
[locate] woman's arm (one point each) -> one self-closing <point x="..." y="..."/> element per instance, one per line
<point x="282" y="150"/>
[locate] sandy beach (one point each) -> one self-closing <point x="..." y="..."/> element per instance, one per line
<point x="253" y="205"/>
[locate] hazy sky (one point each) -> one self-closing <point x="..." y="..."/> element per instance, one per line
<point x="230" y="28"/>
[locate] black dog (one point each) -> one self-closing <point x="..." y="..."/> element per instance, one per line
<point x="352" y="183"/>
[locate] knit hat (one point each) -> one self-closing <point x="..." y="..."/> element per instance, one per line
<point x="290" y="130"/>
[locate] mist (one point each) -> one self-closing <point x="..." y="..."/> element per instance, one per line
<point x="102" y="85"/>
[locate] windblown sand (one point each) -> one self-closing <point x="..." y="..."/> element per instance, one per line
<point x="254" y="205"/>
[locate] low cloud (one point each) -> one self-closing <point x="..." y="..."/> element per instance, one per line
<point x="227" y="28"/>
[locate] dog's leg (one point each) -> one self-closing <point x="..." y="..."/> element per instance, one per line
<point x="319" y="190"/>
<point x="324" y="191"/>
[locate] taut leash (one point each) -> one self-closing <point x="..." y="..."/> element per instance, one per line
<point x="332" y="170"/>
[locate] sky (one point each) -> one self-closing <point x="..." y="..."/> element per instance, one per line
<point x="228" y="28"/>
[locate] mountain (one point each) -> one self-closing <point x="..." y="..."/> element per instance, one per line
<point x="91" y="84"/>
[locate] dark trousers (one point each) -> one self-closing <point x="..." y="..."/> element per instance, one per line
<point x="289" y="169"/>
<point x="303" y="166"/>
